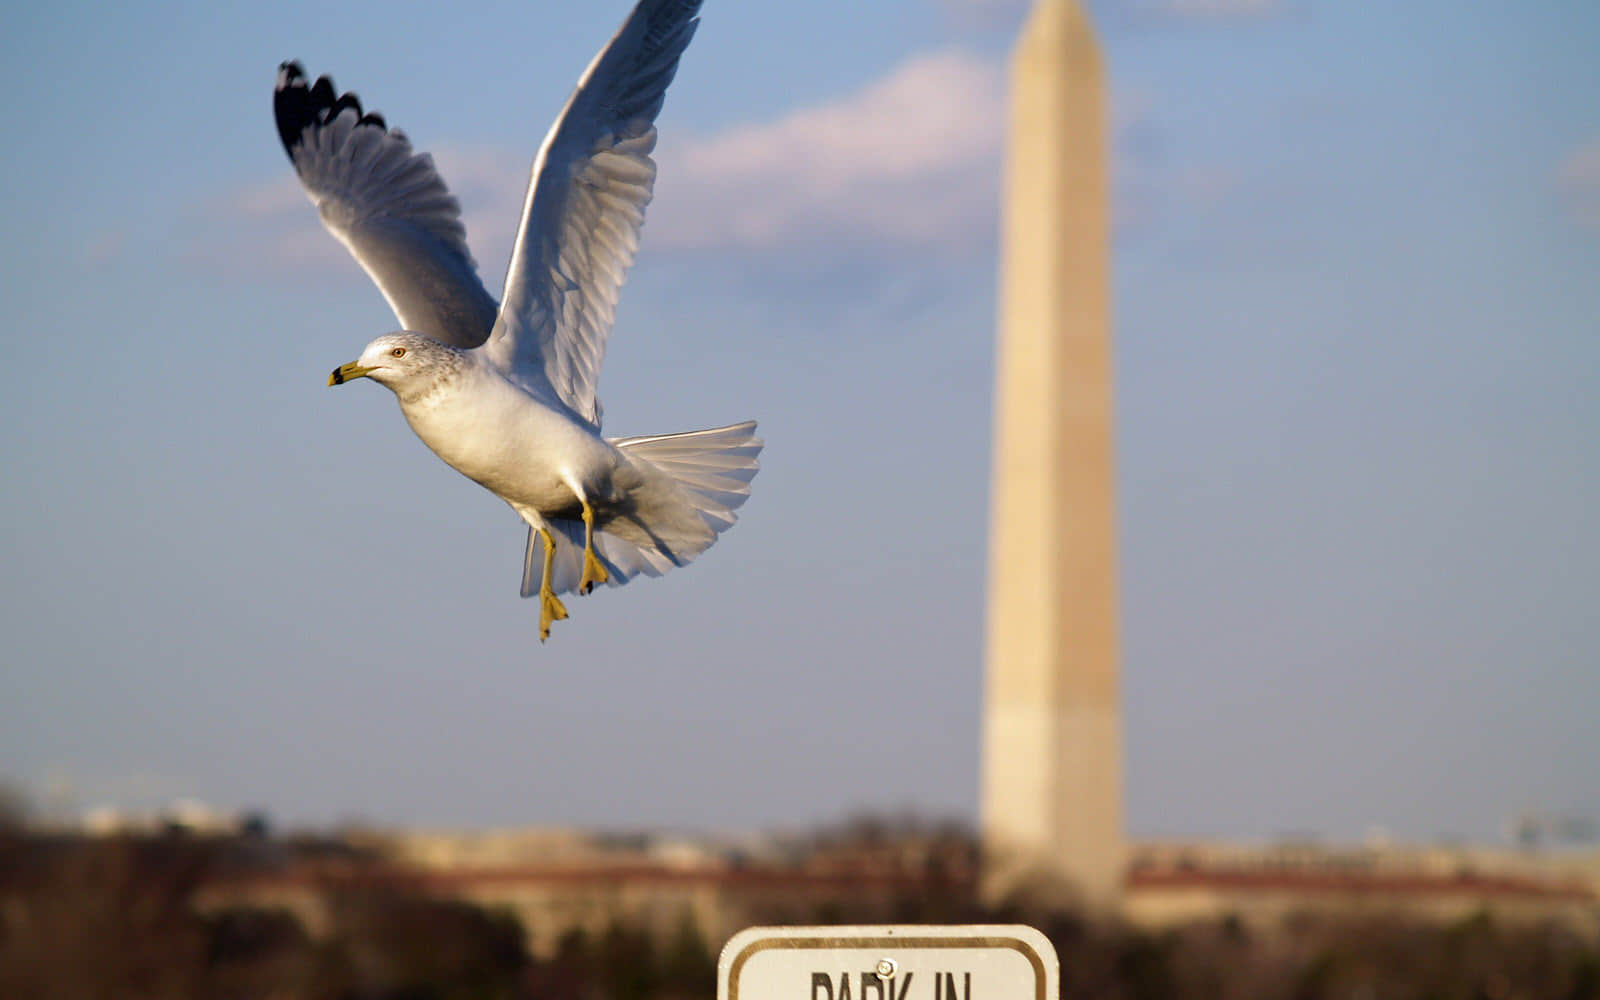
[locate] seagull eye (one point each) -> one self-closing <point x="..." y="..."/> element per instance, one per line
<point x="399" y="352"/>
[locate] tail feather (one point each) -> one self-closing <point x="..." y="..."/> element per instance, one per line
<point x="683" y="490"/>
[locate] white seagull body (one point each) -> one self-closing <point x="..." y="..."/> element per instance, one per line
<point x="506" y="395"/>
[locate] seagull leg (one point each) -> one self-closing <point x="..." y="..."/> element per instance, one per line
<point x="550" y="607"/>
<point x="593" y="571"/>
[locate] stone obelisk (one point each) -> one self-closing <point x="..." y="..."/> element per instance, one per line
<point x="1052" y="742"/>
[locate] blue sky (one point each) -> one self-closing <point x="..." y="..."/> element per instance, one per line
<point x="1356" y="296"/>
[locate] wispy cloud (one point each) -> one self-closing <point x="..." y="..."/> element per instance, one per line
<point x="1207" y="9"/>
<point x="272" y="225"/>
<point x="1579" y="180"/>
<point x="105" y="246"/>
<point x="986" y="6"/>
<point x="909" y="163"/>
<point x="985" y="13"/>
<point x="909" y="159"/>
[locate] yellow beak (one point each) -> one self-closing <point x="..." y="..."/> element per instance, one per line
<point x="345" y="373"/>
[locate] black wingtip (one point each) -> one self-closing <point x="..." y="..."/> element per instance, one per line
<point x="297" y="106"/>
<point x="291" y="104"/>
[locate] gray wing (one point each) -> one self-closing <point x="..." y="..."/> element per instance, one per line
<point x="591" y="182"/>
<point x="387" y="205"/>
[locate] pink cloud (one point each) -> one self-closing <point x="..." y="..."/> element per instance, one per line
<point x="1579" y="180"/>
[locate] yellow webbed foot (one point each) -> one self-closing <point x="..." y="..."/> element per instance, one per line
<point x="550" y="610"/>
<point x="593" y="573"/>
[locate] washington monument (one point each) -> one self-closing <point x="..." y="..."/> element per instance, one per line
<point x="1052" y="784"/>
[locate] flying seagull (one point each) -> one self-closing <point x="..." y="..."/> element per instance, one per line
<point x="506" y="394"/>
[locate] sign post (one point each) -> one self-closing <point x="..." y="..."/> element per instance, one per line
<point x="905" y="962"/>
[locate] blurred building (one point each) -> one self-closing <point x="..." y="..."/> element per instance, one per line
<point x="1170" y="884"/>
<point x="558" y="882"/>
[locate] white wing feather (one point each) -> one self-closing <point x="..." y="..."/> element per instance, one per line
<point x="387" y="205"/>
<point x="591" y="182"/>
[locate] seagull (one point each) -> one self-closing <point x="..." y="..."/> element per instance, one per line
<point x="505" y="394"/>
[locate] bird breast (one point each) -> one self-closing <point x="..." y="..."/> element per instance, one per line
<point x="510" y="443"/>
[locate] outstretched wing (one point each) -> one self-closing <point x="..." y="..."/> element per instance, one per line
<point x="388" y="205"/>
<point x="580" y="225"/>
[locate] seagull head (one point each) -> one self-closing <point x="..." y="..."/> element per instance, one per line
<point x="406" y="362"/>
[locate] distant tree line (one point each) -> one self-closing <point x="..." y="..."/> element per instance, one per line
<point x="116" y="918"/>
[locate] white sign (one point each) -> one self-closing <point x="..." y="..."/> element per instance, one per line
<point x="907" y="962"/>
